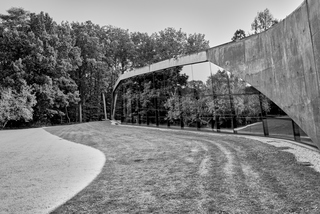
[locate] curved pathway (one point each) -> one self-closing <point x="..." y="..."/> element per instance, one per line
<point x="40" y="171"/>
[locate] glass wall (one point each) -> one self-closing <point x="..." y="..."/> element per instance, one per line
<point x="204" y="99"/>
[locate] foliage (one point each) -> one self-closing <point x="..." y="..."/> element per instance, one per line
<point x="196" y="43"/>
<point x="263" y="21"/>
<point x="238" y="35"/>
<point x="68" y="66"/>
<point x="172" y="43"/>
<point x="91" y="75"/>
<point x="222" y="95"/>
<point x="63" y="68"/>
<point x="144" y="52"/>
<point x="190" y="108"/>
<point x="119" y="48"/>
<point x="37" y="52"/>
<point x="145" y="92"/>
<point x="16" y="105"/>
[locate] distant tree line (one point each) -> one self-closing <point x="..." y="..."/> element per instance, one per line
<point x="51" y="72"/>
<point x="171" y="95"/>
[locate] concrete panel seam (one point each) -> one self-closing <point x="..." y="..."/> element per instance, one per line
<point x="313" y="51"/>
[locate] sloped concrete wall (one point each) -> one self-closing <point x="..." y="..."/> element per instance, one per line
<point x="283" y="63"/>
<point x="182" y="61"/>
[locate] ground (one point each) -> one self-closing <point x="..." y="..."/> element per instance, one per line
<point x="164" y="171"/>
<point x="40" y="171"/>
<point x="281" y="126"/>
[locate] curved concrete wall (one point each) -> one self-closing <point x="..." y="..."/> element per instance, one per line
<point x="283" y="63"/>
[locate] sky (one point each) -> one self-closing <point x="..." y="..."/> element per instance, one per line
<point x="217" y="19"/>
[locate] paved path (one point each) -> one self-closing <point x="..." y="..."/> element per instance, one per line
<point x="40" y="171"/>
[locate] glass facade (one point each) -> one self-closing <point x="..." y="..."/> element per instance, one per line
<point x="192" y="99"/>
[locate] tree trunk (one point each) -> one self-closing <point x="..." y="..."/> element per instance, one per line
<point x="80" y="113"/>
<point x="67" y="114"/>
<point x="5" y="123"/>
<point x="104" y="106"/>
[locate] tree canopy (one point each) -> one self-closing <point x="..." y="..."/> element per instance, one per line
<point x="57" y="73"/>
<point x="263" y="21"/>
<point x="238" y="35"/>
<point x="51" y="72"/>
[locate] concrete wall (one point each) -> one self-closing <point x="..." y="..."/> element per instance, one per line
<point x="283" y="63"/>
<point x="185" y="60"/>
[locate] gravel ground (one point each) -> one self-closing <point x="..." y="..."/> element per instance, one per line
<point x="40" y="171"/>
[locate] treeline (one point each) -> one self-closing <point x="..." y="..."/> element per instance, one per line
<point x="50" y="72"/>
<point x="170" y="96"/>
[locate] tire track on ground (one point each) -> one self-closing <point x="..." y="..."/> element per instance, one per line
<point x="205" y="167"/>
<point x="259" y="189"/>
<point x="233" y="166"/>
<point x="203" y="171"/>
<point x="229" y="168"/>
<point x="245" y="183"/>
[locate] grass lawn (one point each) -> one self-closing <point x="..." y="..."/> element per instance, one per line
<point x="276" y="126"/>
<point x="163" y="171"/>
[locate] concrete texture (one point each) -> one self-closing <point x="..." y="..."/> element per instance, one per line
<point x="185" y="60"/>
<point x="283" y="63"/>
<point x="40" y="171"/>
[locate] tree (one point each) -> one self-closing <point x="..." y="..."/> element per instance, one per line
<point x="149" y="90"/>
<point x="68" y="66"/>
<point x="16" y="18"/>
<point x="263" y="21"/>
<point x="16" y="105"/>
<point x="190" y="108"/>
<point x="143" y="49"/>
<point x="170" y="43"/>
<point x="238" y="35"/>
<point x="38" y="53"/>
<point x="195" y="43"/>
<point x="90" y="76"/>
<point x="49" y="71"/>
<point x="119" y="49"/>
